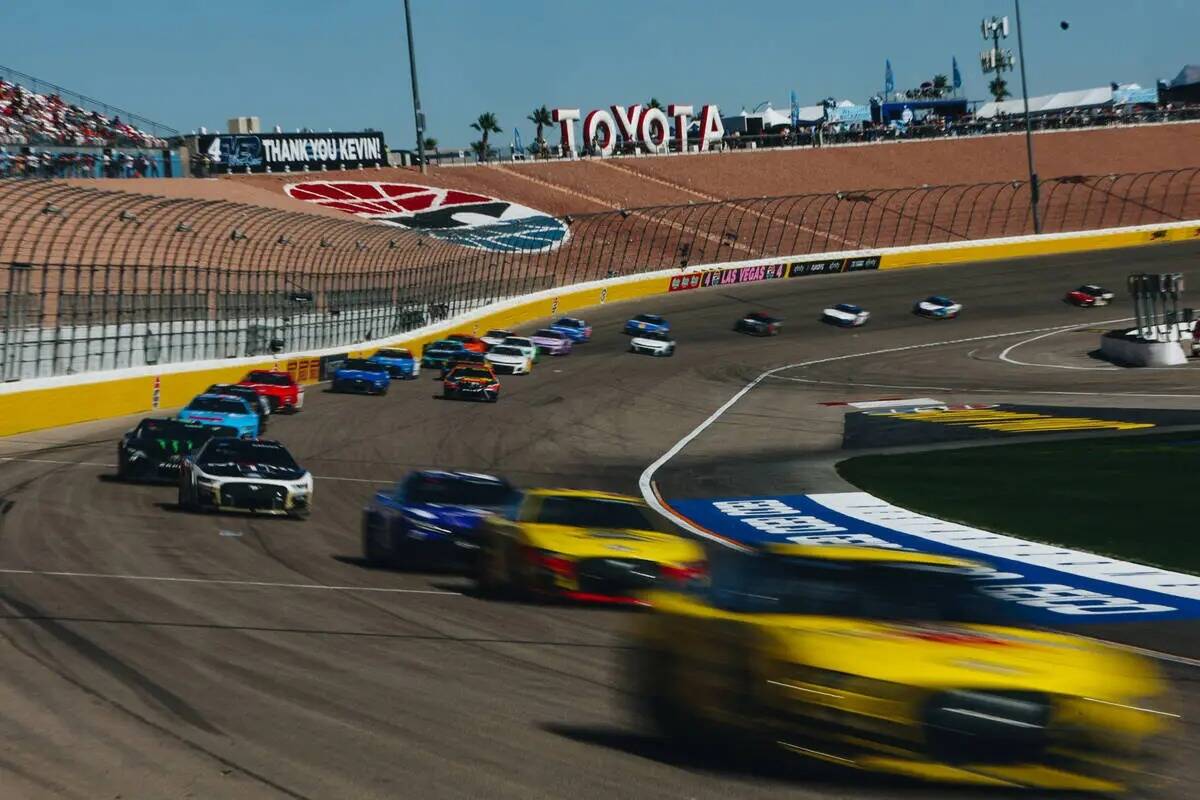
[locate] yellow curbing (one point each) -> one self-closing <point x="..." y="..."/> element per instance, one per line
<point x="37" y="408"/>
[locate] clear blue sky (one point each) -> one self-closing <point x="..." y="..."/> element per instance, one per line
<point x="343" y="64"/>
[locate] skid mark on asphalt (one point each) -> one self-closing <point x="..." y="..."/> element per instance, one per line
<point x="224" y="582"/>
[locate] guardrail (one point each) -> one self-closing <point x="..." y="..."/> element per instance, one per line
<point x="94" y="280"/>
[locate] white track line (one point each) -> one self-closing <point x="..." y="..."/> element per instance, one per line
<point x="114" y="466"/>
<point x="650" y="493"/>
<point x="1004" y="354"/>
<point x="969" y="390"/>
<point x="223" y="582"/>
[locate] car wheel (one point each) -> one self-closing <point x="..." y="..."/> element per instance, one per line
<point x="186" y="501"/>
<point x="670" y="351"/>
<point x="300" y="513"/>
<point x="122" y="467"/>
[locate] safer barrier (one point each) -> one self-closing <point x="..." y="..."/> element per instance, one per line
<point x="62" y="400"/>
<point x="94" y="281"/>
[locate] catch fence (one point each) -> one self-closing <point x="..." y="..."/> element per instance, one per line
<point x="97" y="280"/>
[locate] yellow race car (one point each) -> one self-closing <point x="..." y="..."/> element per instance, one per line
<point x="889" y="661"/>
<point x="583" y="546"/>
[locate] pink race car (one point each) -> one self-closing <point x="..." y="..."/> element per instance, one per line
<point x="552" y="342"/>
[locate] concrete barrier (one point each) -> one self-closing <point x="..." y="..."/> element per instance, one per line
<point x="67" y="399"/>
<point x="1121" y="348"/>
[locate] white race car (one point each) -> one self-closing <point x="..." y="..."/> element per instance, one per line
<point x="846" y="315"/>
<point x="524" y="344"/>
<point x="246" y="475"/>
<point x="654" y="343"/>
<point x="495" y="336"/>
<point x="937" y="307"/>
<point x="509" y="360"/>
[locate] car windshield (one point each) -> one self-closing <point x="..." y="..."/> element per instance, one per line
<point x="594" y="512"/>
<point x="867" y="590"/>
<point x="546" y="333"/>
<point x="567" y="322"/>
<point x="247" y="452"/>
<point x="940" y="301"/>
<point x="655" y="318"/>
<point x="1091" y="289"/>
<point x="222" y="405"/>
<point x="460" y="337"/>
<point x="401" y="354"/>
<point x="177" y="429"/>
<point x="271" y="378"/>
<point x="504" y="350"/>
<point x="453" y="490"/>
<point x="446" y="344"/>
<point x="363" y="365"/>
<point x="656" y="336"/>
<point x="849" y="309"/>
<point x="518" y="341"/>
<point x="496" y="333"/>
<point x="470" y="372"/>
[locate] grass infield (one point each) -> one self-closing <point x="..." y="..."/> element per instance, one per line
<point x="1130" y="497"/>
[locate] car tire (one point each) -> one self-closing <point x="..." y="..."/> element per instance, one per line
<point x="373" y="553"/>
<point x="186" y="501"/>
<point x="300" y="514"/>
<point x="670" y="352"/>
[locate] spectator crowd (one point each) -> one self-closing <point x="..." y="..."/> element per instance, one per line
<point x="29" y="163"/>
<point x="30" y="118"/>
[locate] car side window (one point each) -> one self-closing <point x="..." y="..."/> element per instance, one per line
<point x="528" y="510"/>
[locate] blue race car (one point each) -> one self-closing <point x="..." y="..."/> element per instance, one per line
<point x="436" y="354"/>
<point x="222" y="409"/>
<point x="647" y="323"/>
<point x="576" y="329"/>
<point x="361" y="375"/>
<point x="399" y="362"/>
<point x="432" y="518"/>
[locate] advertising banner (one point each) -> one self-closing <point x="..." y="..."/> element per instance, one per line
<point x="278" y="152"/>
<point x="725" y="277"/>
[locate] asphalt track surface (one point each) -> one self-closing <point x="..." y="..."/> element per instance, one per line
<point x="147" y="653"/>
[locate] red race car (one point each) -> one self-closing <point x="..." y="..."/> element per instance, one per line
<point x="280" y="389"/>
<point x="471" y="382"/>
<point x="1089" y="295"/>
<point x="469" y="342"/>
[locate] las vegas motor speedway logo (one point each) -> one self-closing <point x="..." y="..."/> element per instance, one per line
<point x="465" y="218"/>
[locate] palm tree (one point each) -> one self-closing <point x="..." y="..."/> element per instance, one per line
<point x="999" y="88"/>
<point x="940" y="84"/>
<point x="431" y="143"/>
<point x="486" y="124"/>
<point x="540" y="117"/>
<point x="654" y="103"/>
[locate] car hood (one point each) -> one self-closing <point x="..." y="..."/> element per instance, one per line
<point x="644" y="342"/>
<point x="393" y="362"/>
<point x="251" y="472"/>
<point x="939" y="655"/>
<point x="448" y="516"/>
<point x="359" y="375"/>
<point x="506" y="359"/>
<point x="837" y="312"/>
<point x="547" y="340"/>
<point x="217" y="416"/>
<point x="609" y="543"/>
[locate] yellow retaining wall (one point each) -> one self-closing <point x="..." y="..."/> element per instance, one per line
<point x="64" y="405"/>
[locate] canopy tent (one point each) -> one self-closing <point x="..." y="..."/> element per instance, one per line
<point x="1061" y="101"/>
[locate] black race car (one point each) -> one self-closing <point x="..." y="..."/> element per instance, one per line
<point x="258" y="402"/>
<point x="154" y="449"/>
<point x="245" y="475"/>
<point x="465" y="358"/>
<point x="758" y="323"/>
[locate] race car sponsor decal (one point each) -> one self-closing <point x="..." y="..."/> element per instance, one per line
<point x="465" y="218"/>
<point x="1045" y="583"/>
<point x="905" y="422"/>
<point x="723" y="277"/>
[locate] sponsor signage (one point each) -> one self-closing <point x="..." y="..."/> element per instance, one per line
<point x="724" y="277"/>
<point x="648" y="127"/>
<point x="277" y="152"/>
<point x="1045" y="583"/>
<point x="830" y="265"/>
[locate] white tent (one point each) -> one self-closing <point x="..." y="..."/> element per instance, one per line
<point x="1060" y="101"/>
<point x="772" y="118"/>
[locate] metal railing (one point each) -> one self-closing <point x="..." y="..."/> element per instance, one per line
<point x="96" y="280"/>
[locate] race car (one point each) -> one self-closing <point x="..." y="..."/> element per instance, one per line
<point x="582" y="546"/>
<point x="646" y="323"/>
<point x="281" y="389"/>
<point x="472" y="343"/>
<point x="495" y="336"/>
<point x="438" y="353"/>
<point x="524" y="344"/>
<point x="462" y="358"/>
<point x="888" y="661"/>
<point x="1089" y="295"/>
<point x="399" y="362"/>
<point x="552" y="342"/>
<point x="846" y="315"/>
<point x="156" y="447"/>
<point x="222" y="409"/>
<point x="576" y="329"/>
<point x="758" y="323"/>
<point x="236" y="474"/>
<point x="361" y="375"/>
<point x="507" y="359"/>
<point x="257" y="401"/>
<point x="937" y="307"/>
<point x="432" y="519"/>
<point x="471" y="382"/>
<point x="655" y="343"/>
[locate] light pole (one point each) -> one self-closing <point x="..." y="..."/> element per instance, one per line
<point x="997" y="61"/>
<point x="412" y="67"/>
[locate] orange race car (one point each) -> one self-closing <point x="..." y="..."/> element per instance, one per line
<point x="472" y="343"/>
